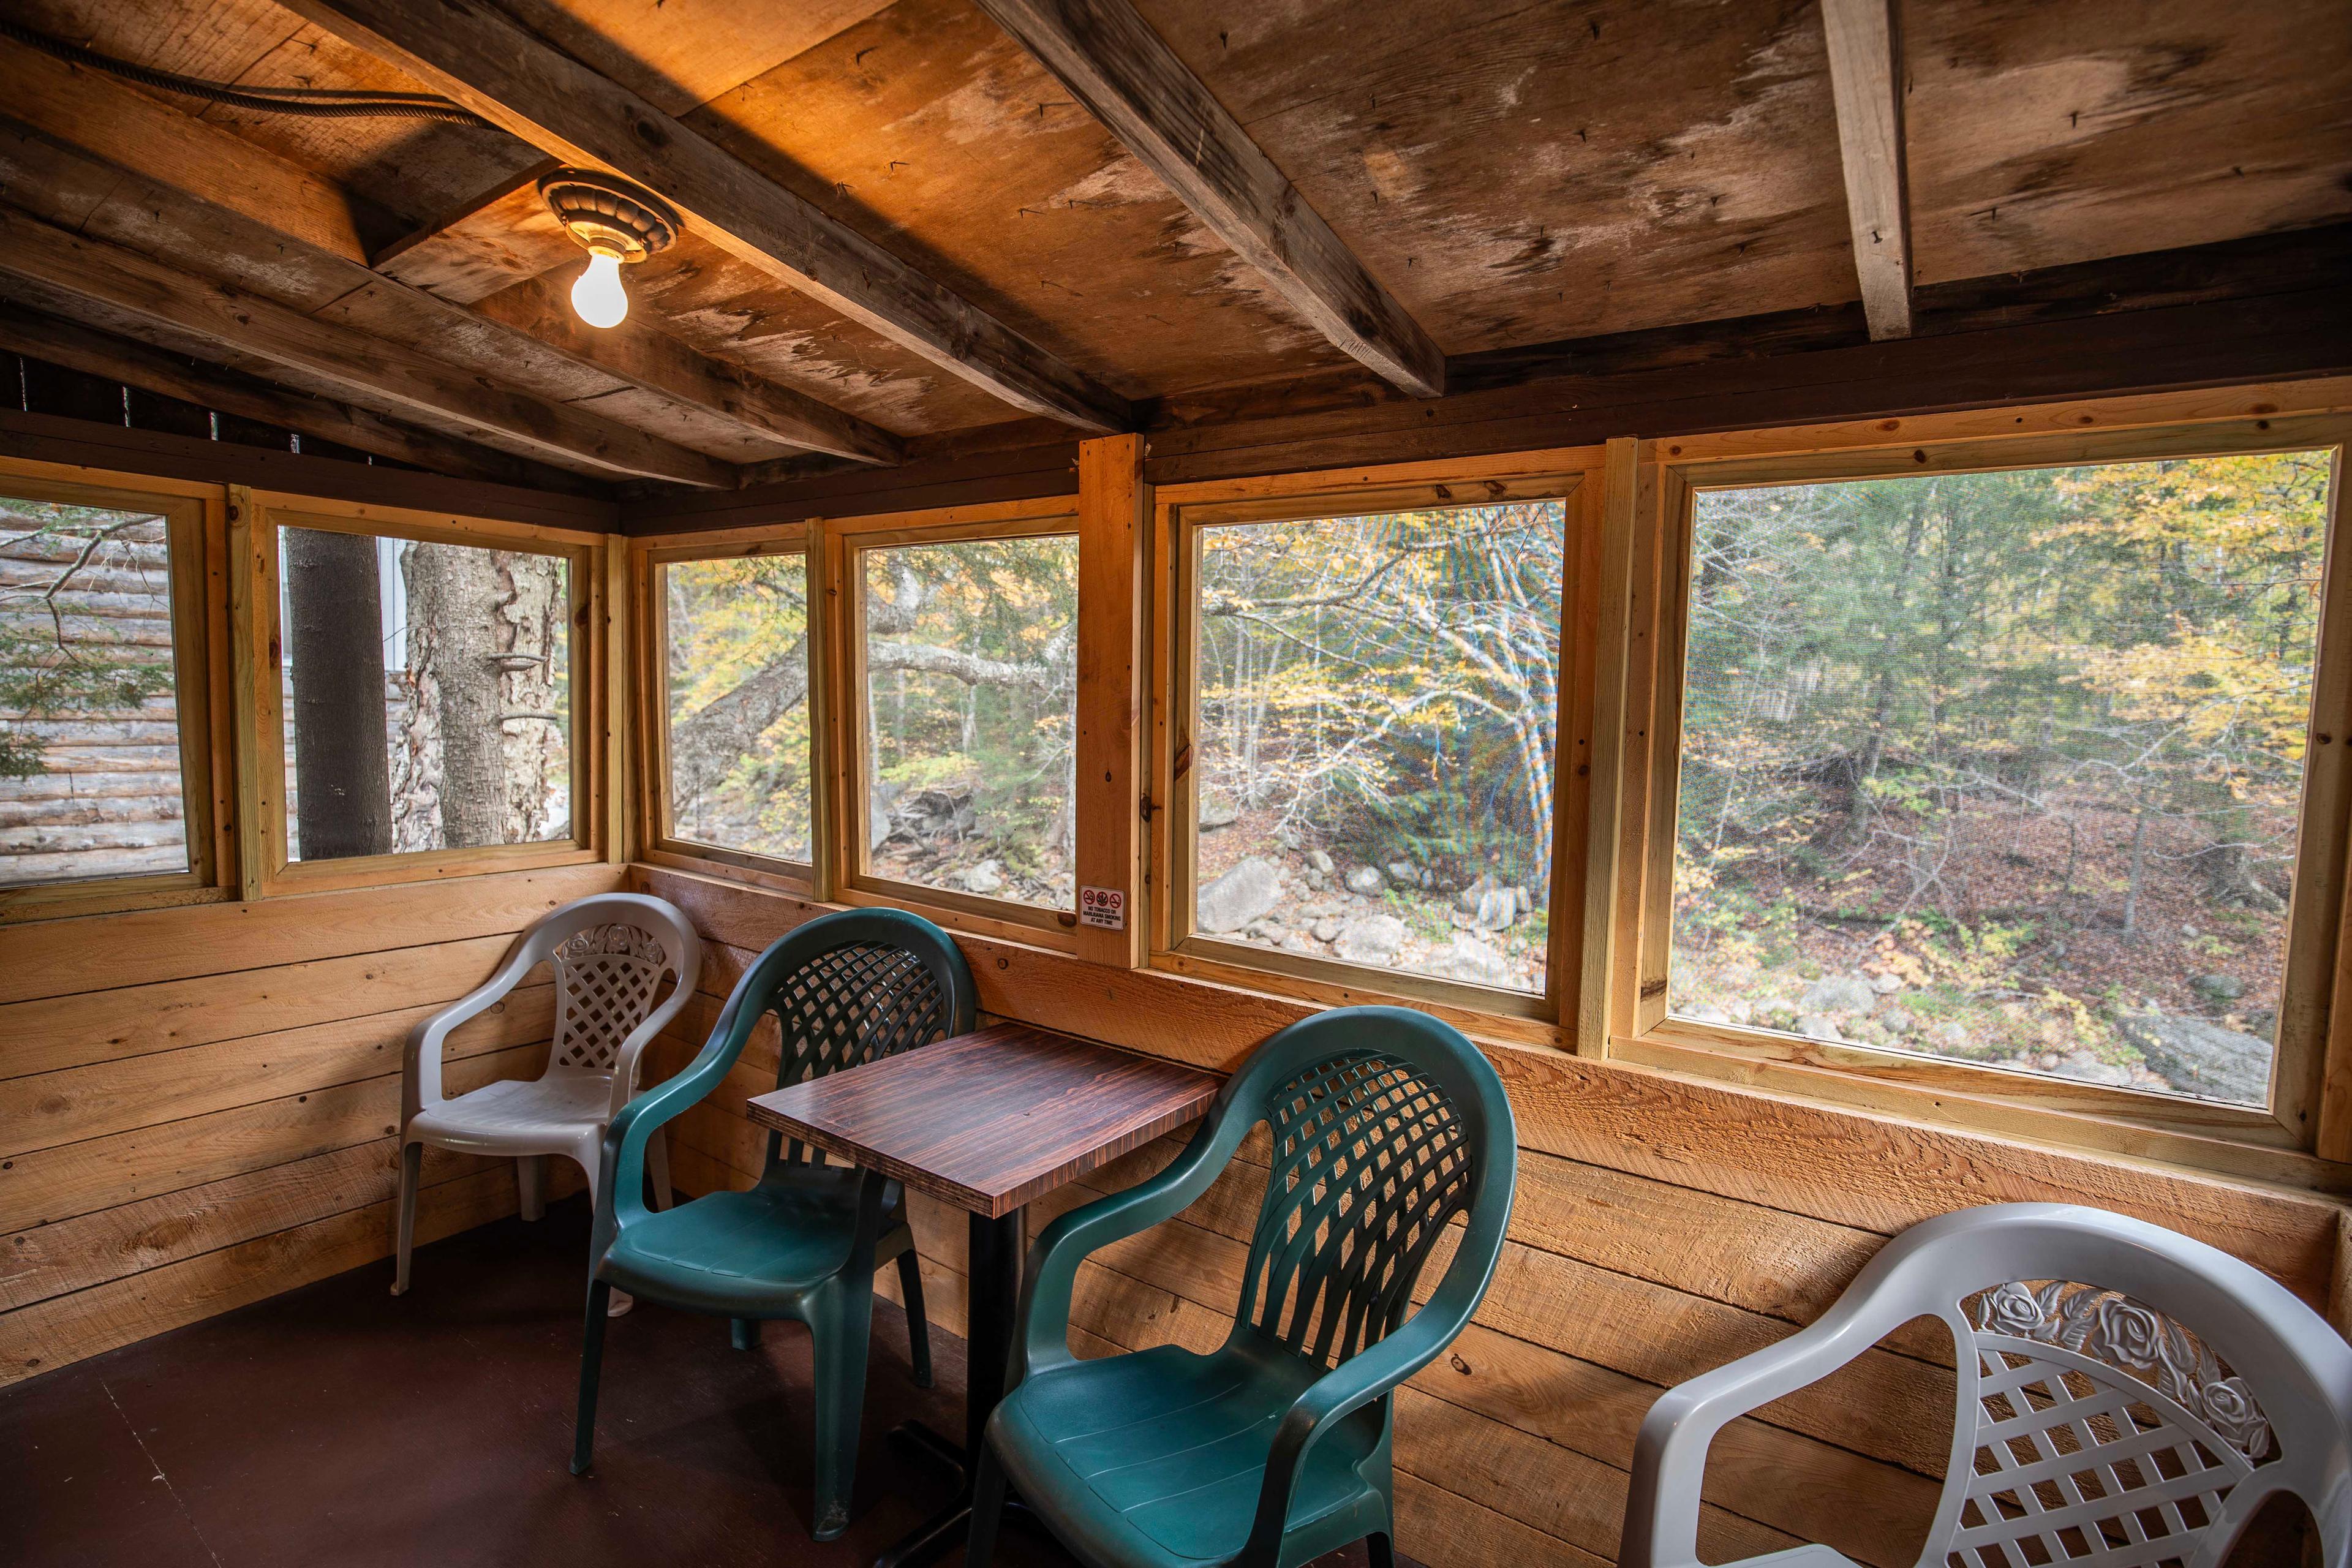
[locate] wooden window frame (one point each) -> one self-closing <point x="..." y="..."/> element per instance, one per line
<point x="196" y="530"/>
<point x="1180" y="513"/>
<point x="648" y="558"/>
<point x="1631" y="844"/>
<point x="256" y="516"/>
<point x="843" y="543"/>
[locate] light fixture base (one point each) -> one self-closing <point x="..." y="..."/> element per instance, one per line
<point x="605" y="213"/>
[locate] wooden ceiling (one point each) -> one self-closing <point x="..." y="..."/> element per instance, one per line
<point x="918" y="223"/>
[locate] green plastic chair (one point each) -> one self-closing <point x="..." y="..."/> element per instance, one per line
<point x="845" y="989"/>
<point x="1274" y="1448"/>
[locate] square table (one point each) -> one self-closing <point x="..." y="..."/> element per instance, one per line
<point x="987" y="1121"/>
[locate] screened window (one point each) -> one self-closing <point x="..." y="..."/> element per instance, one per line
<point x="94" y="761"/>
<point x="427" y="695"/>
<point x="1373" y="750"/>
<point x="2004" y="768"/>
<point x="968" y="654"/>
<point x="738" y="747"/>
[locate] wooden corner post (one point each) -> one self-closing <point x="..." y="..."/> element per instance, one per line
<point x="1113" y="506"/>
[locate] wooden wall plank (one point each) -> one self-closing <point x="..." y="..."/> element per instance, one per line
<point x="98" y="952"/>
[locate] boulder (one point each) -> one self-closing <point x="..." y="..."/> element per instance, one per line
<point x="2201" y="1059"/>
<point x="1238" y="896"/>
<point x="1895" y="1021"/>
<point x="1886" y="984"/>
<point x="1366" y="881"/>
<point x="1317" y="860"/>
<point x="1703" y="1013"/>
<point x="1217" y="812"/>
<point x="1498" y="908"/>
<point x="1467" y="958"/>
<point x="1404" y="873"/>
<point x="1328" y="928"/>
<point x="2219" y="987"/>
<point x="1816" y="1026"/>
<point x="2084" y="1068"/>
<point x="987" y="877"/>
<point x="1839" y="994"/>
<point x="1372" y="938"/>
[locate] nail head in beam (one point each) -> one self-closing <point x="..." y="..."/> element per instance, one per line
<point x="1111" y="61"/>
<point x="517" y="80"/>
<point x="1865" y="50"/>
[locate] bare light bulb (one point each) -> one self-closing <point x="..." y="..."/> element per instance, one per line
<point x="598" y="296"/>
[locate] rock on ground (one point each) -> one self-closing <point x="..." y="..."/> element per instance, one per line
<point x="1366" y="881"/>
<point x="2201" y="1057"/>
<point x="1818" y="1028"/>
<point x="1374" y="939"/>
<point x="1240" y="896"/>
<point x="1467" y="958"/>
<point x="1839" y="994"/>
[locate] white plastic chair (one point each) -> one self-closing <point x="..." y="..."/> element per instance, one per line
<point x="2127" y="1397"/>
<point x="609" y="954"/>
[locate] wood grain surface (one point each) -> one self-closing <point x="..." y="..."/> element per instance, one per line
<point x="988" y="1120"/>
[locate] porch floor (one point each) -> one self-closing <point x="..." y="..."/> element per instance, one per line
<point x="339" y="1425"/>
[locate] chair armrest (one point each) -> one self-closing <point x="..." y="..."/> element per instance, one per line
<point x="1042" y="1338"/>
<point x="1670" y="1456"/>
<point x="420" y="1063"/>
<point x="621" y="1178"/>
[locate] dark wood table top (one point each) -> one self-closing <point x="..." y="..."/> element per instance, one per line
<point x="988" y="1120"/>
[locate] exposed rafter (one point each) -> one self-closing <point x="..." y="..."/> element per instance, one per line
<point x="1865" y="47"/>
<point x="1128" y="78"/>
<point x="152" y="369"/>
<point x="519" y="81"/>
<point x="504" y="237"/>
<point x="107" y="284"/>
<point x="290" y="215"/>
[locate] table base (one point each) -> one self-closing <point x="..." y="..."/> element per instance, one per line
<point x="946" y="1529"/>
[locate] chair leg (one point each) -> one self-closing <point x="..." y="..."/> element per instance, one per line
<point x="530" y="1185"/>
<point x="1379" y="1549"/>
<point x="840" y="1324"/>
<point x="403" y="1224"/>
<point x="658" y="1167"/>
<point x="743" y="1334"/>
<point x="919" y="1328"/>
<point x="591" y="1367"/>
<point x="988" y="1509"/>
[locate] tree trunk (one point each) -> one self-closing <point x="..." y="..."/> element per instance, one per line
<point x="334" y="630"/>
<point x="2138" y="871"/>
<point x="452" y="653"/>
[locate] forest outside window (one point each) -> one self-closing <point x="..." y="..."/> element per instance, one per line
<point x="965" y="693"/>
<point x="1368" y="762"/>
<point x="103" y="683"/>
<point x="735" y="636"/>
<point x="2015" y="769"/>
<point x="427" y="689"/>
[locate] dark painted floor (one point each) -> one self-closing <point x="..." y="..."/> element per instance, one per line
<point x="338" y="1424"/>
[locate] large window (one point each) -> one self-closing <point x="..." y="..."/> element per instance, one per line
<point x="2025" y="774"/>
<point x="965" y="692"/>
<point x="1367" y="769"/>
<point x="425" y="694"/>
<point x="103" y="689"/>
<point x="736" y="711"/>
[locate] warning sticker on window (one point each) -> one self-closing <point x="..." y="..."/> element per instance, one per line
<point x="1104" y="906"/>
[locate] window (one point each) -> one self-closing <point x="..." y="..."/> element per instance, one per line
<point x="425" y="694"/>
<point x="104" y="768"/>
<point x="965" y="687"/>
<point x="2012" y="768"/>
<point x="1367" y="769"/>
<point x="737" y="715"/>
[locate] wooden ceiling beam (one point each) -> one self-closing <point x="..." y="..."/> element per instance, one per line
<point x="289" y="212"/>
<point x="1126" y="76"/>
<point x="167" y="374"/>
<point x="517" y="80"/>
<point x="68" y="275"/>
<point x="1865" y="48"/>
<point x="505" y="235"/>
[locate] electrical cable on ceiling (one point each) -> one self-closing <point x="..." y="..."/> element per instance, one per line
<point x="323" y="103"/>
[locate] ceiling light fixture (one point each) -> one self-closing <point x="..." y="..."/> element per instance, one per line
<point x="615" y="222"/>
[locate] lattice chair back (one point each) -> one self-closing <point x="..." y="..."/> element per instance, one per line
<point x="1385" y="1126"/>
<point x="2127" y="1397"/>
<point x="853" y="987"/>
<point x="610" y="955"/>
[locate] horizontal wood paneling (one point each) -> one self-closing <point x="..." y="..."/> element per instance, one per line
<point x="197" y="1104"/>
<point x="1663" y="1227"/>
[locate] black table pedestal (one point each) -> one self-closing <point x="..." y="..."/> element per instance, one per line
<point x="993" y="1265"/>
